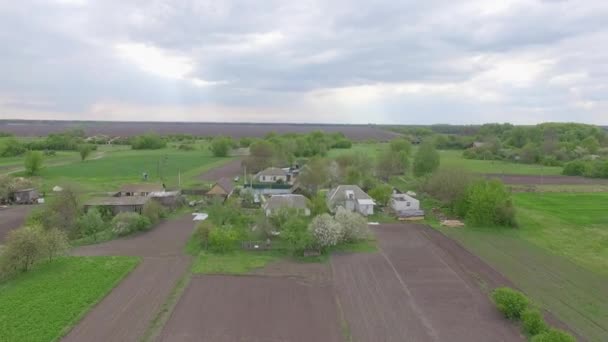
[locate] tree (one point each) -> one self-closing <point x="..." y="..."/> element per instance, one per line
<point x="148" y="141"/>
<point x="33" y="162"/>
<point x="381" y="194"/>
<point x="591" y="144"/>
<point x="261" y="156"/>
<point x="327" y="232"/>
<point x="314" y="175"/>
<point x="449" y="186"/>
<point x="153" y="210"/>
<point x="91" y="223"/>
<point x="24" y="246"/>
<point x="426" y="160"/>
<point x="401" y="145"/>
<point x="296" y="234"/>
<point x="62" y="211"/>
<point x="84" y="150"/>
<point x="390" y="163"/>
<point x="318" y="204"/>
<point x="202" y="232"/>
<point x="354" y="226"/>
<point x="220" y="146"/>
<point x="488" y="203"/>
<point x="54" y="243"/>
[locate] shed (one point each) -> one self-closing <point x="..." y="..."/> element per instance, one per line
<point x="223" y="187"/>
<point x="143" y="189"/>
<point x="170" y="199"/>
<point x="352" y="198"/>
<point x="401" y="202"/>
<point x="25" y="196"/>
<point x="118" y="205"/>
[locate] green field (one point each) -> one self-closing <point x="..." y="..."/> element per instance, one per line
<point x="454" y="158"/>
<point x="113" y="168"/>
<point x="558" y="255"/>
<point x="43" y="304"/>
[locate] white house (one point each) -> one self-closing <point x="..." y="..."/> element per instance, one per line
<point x="272" y="175"/>
<point x="293" y="201"/>
<point x="352" y="198"/>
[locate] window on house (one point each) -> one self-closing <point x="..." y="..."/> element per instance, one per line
<point x="408" y="204"/>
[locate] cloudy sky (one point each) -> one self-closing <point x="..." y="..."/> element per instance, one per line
<point x="356" y="61"/>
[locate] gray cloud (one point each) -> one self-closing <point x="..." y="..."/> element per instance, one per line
<point x="346" y="61"/>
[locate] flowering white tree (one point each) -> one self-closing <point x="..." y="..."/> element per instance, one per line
<point x="326" y="231"/>
<point x="354" y="226"/>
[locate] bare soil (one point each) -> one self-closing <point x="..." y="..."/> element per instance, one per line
<point x="12" y="218"/>
<point x="125" y="314"/>
<point x="253" y="309"/>
<point x="414" y="291"/>
<point x="547" y="180"/>
<point x="236" y="130"/>
<point x="229" y="170"/>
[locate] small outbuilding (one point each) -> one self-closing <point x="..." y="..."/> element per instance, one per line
<point x="224" y="187"/>
<point x="134" y="204"/>
<point x="143" y="189"/>
<point x="277" y="202"/>
<point x="25" y="196"/>
<point x="406" y="207"/>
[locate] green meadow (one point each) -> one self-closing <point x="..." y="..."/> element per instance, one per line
<point x="558" y="255"/>
<point x="43" y="304"/>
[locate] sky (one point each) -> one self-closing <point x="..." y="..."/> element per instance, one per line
<point x="355" y="61"/>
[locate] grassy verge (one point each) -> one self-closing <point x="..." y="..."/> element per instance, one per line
<point x="45" y="303"/>
<point x="237" y="262"/>
<point x="454" y="158"/>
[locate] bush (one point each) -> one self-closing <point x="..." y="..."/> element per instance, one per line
<point x="220" y="146"/>
<point x="327" y="232"/>
<point x="128" y="223"/>
<point x="342" y="143"/>
<point x="533" y="322"/>
<point x="575" y="168"/>
<point x="488" y="203"/>
<point x="222" y="240"/>
<point x="23" y="247"/>
<point x="553" y="335"/>
<point x="11" y="148"/>
<point x="202" y="232"/>
<point x="296" y="235"/>
<point x="426" y="160"/>
<point x="354" y="226"/>
<point x="54" y="243"/>
<point x="154" y="211"/>
<point x="85" y="150"/>
<point x="381" y="193"/>
<point x="449" y="186"/>
<point x="511" y="303"/>
<point x="91" y="223"/>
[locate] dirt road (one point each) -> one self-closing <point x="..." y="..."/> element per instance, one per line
<point x="12" y="218"/>
<point x="125" y="314"/>
<point x="412" y="290"/>
<point x="229" y="170"/>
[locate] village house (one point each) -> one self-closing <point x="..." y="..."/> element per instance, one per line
<point x="272" y="175"/>
<point x="25" y="196"/>
<point x="224" y="187"/>
<point x="406" y="207"/>
<point x="352" y="198"/>
<point x="277" y="202"/>
<point x="144" y="189"/>
<point x="118" y="205"/>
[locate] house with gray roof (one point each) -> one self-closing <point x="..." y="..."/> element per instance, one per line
<point x="272" y="175"/>
<point x="292" y="201"/>
<point x="143" y="189"/>
<point x="352" y="198"/>
<point x="117" y="205"/>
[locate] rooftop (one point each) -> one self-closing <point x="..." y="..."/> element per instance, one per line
<point x="117" y="201"/>
<point x="143" y="187"/>
<point x="289" y="201"/>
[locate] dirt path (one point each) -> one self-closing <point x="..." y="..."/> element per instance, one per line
<point x="230" y="170"/>
<point x="125" y="314"/>
<point x="413" y="289"/>
<point x="13" y="218"/>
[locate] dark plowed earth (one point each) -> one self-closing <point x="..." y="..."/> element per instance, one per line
<point x="230" y="170"/>
<point x="547" y="180"/>
<point x="12" y="218"/>
<point x="412" y="291"/>
<point x="125" y="314"/>
<point x="253" y="309"/>
<point x="236" y="130"/>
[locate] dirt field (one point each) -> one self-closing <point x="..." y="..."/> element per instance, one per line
<point x="125" y="314"/>
<point x="414" y="291"/>
<point x="12" y="218"/>
<point x="229" y="170"/>
<point x="547" y="180"/>
<point x="236" y="130"/>
<point x="253" y="309"/>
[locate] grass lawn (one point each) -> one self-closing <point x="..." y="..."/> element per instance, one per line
<point x="237" y="262"/>
<point x="454" y="158"/>
<point x="43" y="304"/>
<point x="558" y="255"/>
<point x="369" y="149"/>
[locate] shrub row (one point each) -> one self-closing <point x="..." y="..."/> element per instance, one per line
<point x="516" y="306"/>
